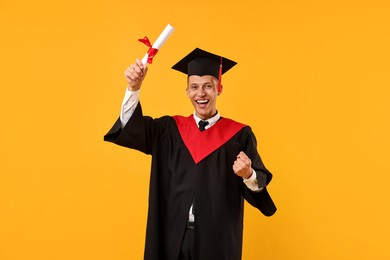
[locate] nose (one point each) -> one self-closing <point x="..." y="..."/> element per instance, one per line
<point x="201" y="92"/>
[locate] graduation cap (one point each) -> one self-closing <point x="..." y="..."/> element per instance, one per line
<point x="200" y="62"/>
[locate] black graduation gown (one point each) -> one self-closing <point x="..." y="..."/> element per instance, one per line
<point x="175" y="179"/>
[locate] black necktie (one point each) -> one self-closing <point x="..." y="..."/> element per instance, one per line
<point x="202" y="125"/>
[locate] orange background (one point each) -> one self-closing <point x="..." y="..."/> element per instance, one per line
<point x="312" y="80"/>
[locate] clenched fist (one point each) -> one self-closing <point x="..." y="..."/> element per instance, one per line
<point x="243" y="166"/>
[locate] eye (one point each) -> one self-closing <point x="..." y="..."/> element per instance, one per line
<point x="208" y="86"/>
<point x="194" y="87"/>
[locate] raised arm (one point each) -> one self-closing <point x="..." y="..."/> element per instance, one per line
<point x="132" y="129"/>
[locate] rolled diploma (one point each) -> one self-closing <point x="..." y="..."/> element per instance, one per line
<point x="160" y="41"/>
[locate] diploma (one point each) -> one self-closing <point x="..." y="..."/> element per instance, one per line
<point x="148" y="58"/>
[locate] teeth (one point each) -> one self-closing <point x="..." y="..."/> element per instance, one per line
<point x="202" y="101"/>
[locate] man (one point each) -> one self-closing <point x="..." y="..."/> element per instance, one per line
<point x="200" y="176"/>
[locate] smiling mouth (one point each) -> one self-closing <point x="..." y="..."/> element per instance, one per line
<point x="202" y="101"/>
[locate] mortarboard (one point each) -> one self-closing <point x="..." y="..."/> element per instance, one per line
<point x="200" y="62"/>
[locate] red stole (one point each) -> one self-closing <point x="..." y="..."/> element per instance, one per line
<point x="201" y="144"/>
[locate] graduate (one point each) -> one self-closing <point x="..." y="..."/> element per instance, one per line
<point x="203" y="166"/>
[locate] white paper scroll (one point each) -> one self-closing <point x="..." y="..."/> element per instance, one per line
<point x="160" y="41"/>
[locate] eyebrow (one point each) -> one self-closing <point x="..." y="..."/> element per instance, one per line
<point x="207" y="82"/>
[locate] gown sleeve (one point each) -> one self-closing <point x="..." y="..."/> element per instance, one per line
<point x="261" y="200"/>
<point x="139" y="133"/>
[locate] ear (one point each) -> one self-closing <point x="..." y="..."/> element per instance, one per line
<point x="187" y="92"/>
<point x="220" y="92"/>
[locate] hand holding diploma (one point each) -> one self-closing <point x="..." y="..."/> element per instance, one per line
<point x="135" y="74"/>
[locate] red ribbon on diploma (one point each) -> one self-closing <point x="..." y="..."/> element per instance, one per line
<point x="152" y="51"/>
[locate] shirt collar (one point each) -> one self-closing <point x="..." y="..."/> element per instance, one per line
<point x="211" y="120"/>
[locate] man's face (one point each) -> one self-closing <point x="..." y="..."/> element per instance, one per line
<point x="203" y="92"/>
